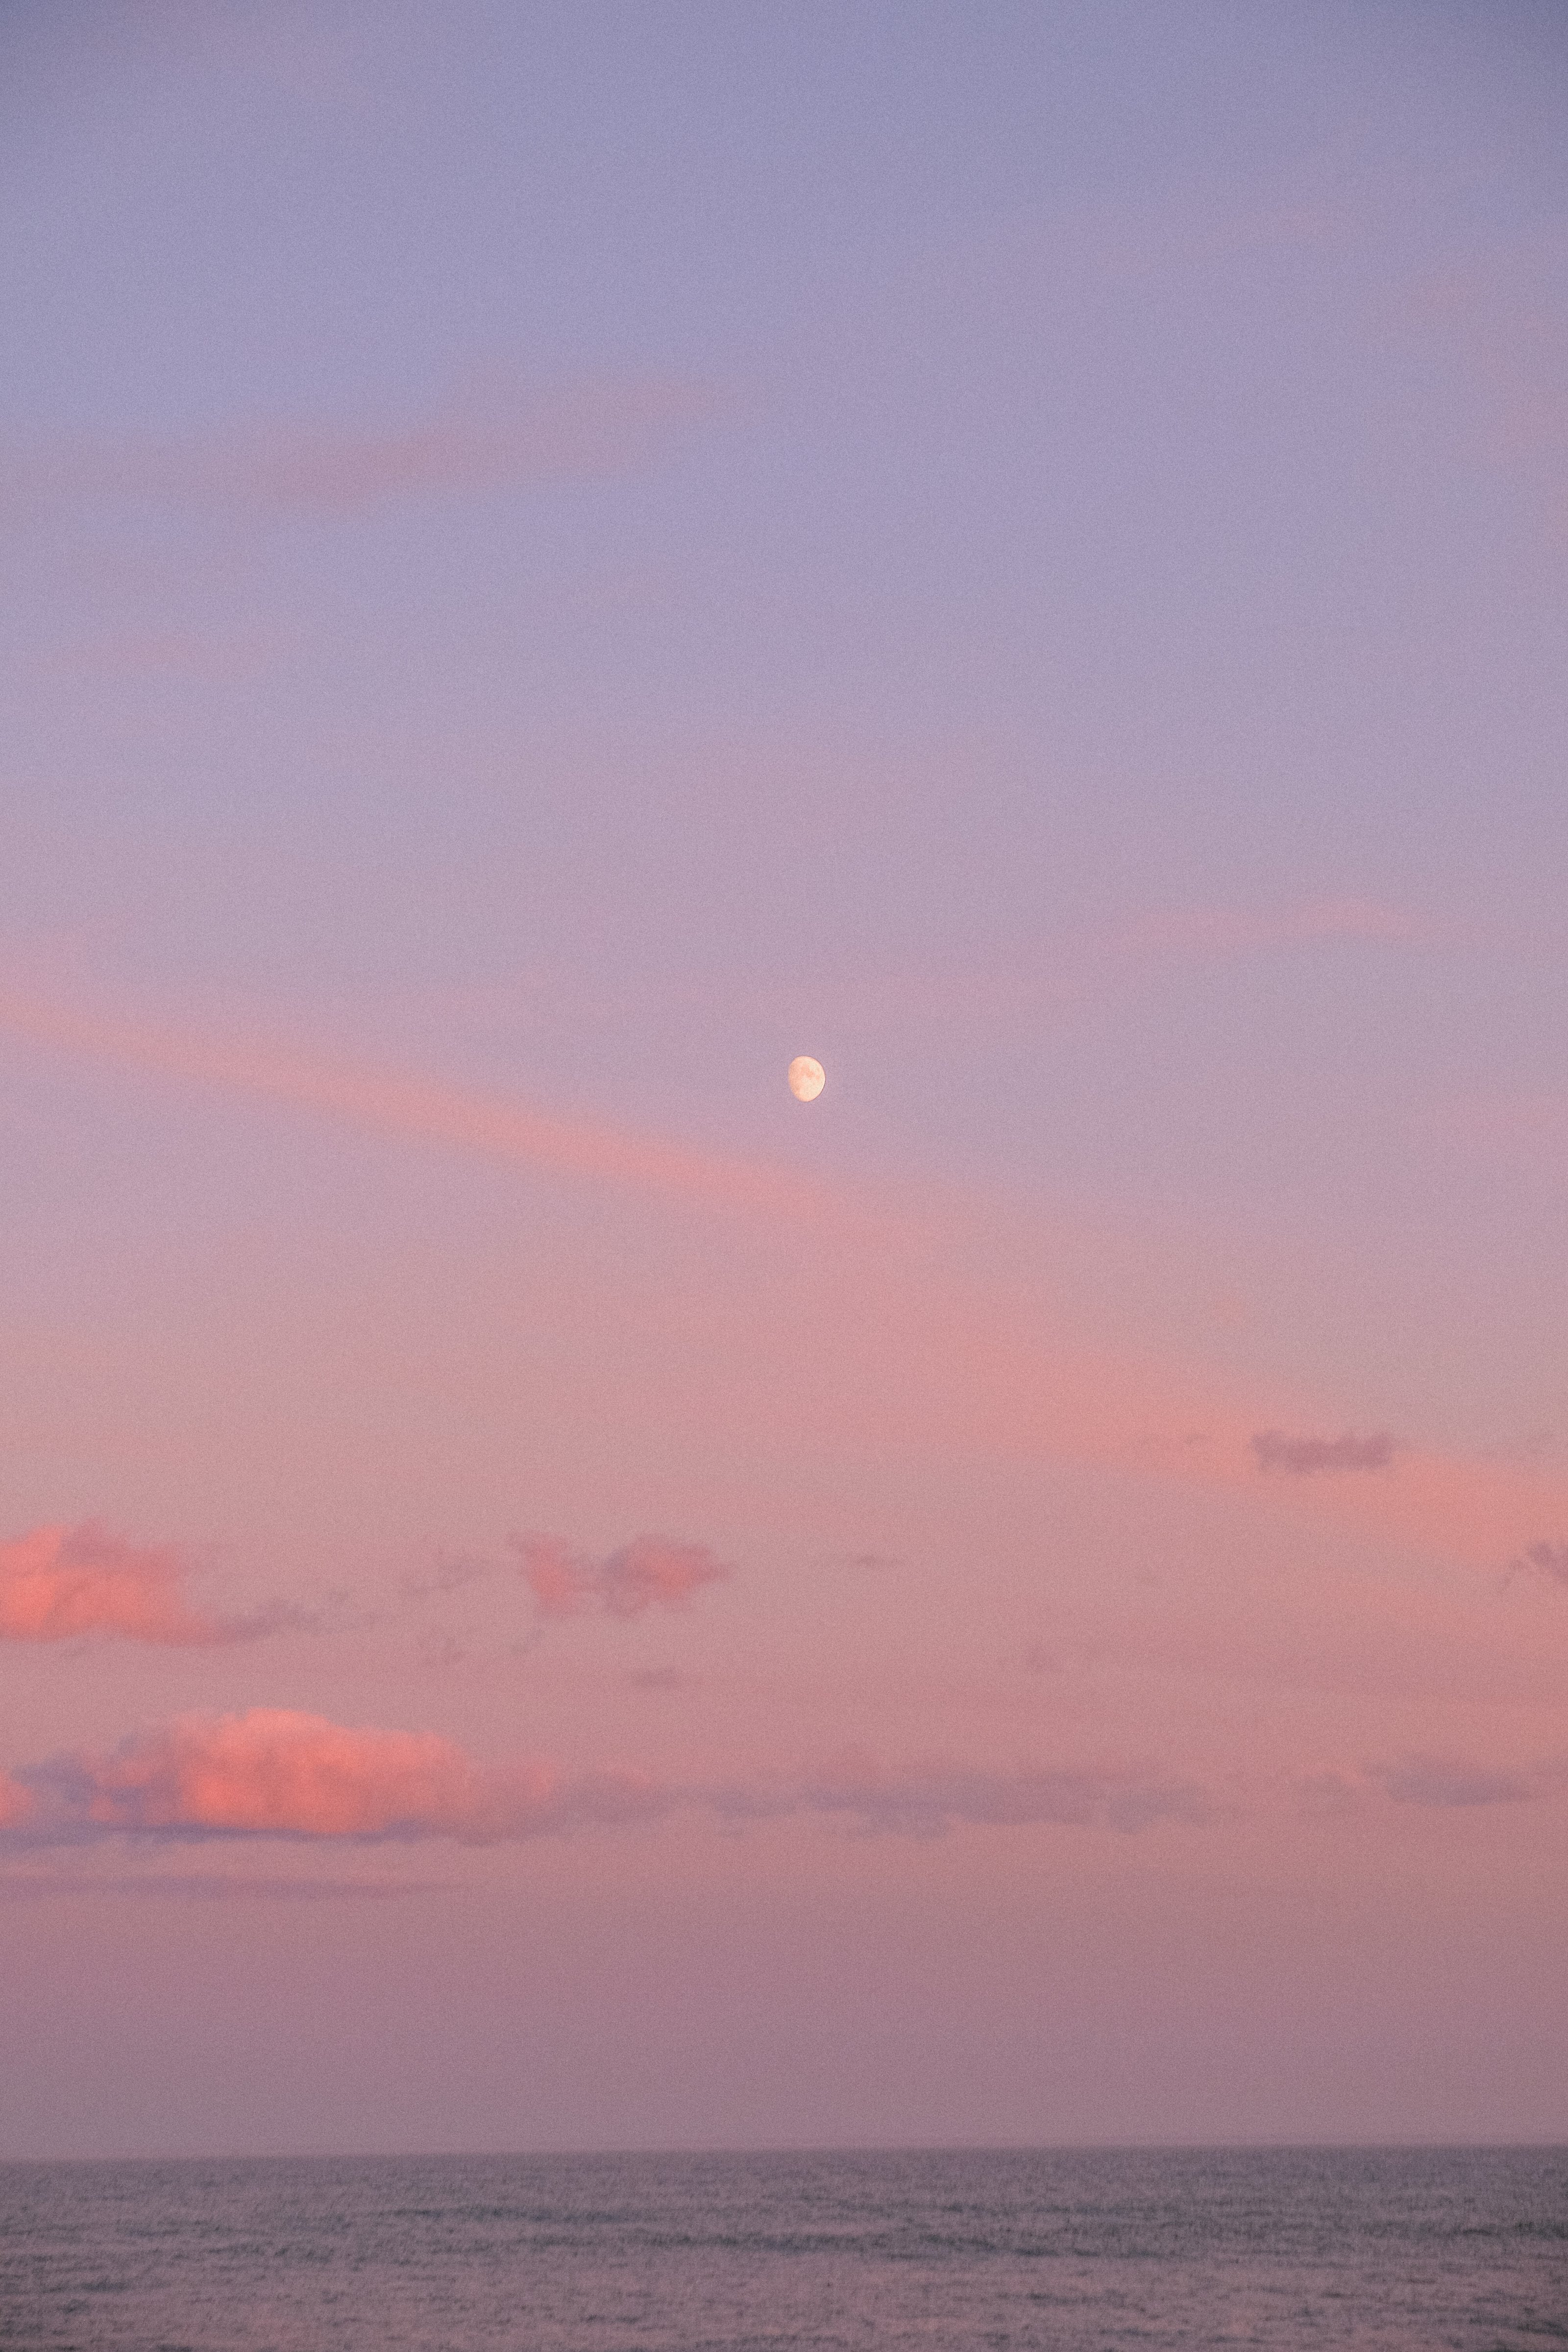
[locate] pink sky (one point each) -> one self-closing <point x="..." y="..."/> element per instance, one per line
<point x="549" y="1594"/>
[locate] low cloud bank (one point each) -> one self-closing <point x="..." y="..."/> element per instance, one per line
<point x="651" y="1571"/>
<point x="276" y="1773"/>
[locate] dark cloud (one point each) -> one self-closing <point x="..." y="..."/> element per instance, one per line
<point x="1551" y="1560"/>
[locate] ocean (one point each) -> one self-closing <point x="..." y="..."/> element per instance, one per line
<point x="1079" y="2251"/>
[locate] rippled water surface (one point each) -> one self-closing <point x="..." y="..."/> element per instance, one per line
<point x="1415" y="2249"/>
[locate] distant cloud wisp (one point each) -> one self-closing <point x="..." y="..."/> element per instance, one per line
<point x="1304" y="1457"/>
<point x="651" y="1571"/>
<point x="60" y="1583"/>
<point x="506" y="439"/>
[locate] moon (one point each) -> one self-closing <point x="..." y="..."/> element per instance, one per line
<point x="806" y="1078"/>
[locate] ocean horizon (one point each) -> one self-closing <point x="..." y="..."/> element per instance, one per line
<point x="1418" y="2247"/>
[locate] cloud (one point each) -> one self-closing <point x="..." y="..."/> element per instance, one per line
<point x="658" y="1678"/>
<point x="274" y="1773"/>
<point x="15" y="1803"/>
<point x="390" y="1102"/>
<point x="649" y="1572"/>
<point x="927" y="1803"/>
<point x="1303" y="1457"/>
<point x="506" y="439"/>
<point x="56" y="1583"/>
<point x="1551" y="1560"/>
<point x="1444" y="1781"/>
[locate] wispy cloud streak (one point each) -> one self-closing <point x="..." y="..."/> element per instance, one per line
<point x="392" y="1103"/>
<point x="969" y="1374"/>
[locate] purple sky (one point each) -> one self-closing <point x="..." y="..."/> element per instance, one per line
<point x="551" y="1594"/>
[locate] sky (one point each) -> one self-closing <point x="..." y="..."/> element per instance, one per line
<point x="557" y="557"/>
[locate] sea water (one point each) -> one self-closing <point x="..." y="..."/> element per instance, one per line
<point x="949" y="2252"/>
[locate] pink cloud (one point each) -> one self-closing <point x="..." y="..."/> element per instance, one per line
<point x="503" y="441"/>
<point x="1304" y="1457"/>
<point x="15" y="1803"/>
<point x="56" y="1583"/>
<point x="274" y="1772"/>
<point x="649" y="1572"/>
<point x="278" y="1771"/>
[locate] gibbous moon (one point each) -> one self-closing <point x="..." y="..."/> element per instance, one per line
<point x="806" y="1078"/>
